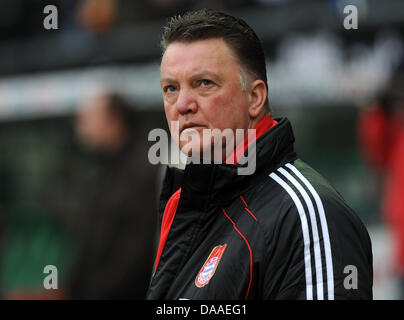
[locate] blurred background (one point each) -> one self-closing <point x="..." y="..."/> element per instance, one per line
<point x="77" y="103"/>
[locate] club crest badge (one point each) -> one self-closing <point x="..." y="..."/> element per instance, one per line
<point x="208" y="269"/>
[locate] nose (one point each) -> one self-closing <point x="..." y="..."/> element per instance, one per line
<point x="186" y="102"/>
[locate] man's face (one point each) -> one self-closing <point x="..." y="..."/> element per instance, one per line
<point x="202" y="88"/>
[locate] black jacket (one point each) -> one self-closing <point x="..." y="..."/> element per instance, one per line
<point x="281" y="233"/>
<point x="113" y="222"/>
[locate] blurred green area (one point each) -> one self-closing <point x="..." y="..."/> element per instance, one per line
<point x="32" y="241"/>
<point x="33" y="154"/>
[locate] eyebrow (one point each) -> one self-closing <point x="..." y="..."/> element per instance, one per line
<point x="204" y="74"/>
<point x="168" y="80"/>
<point x="193" y="77"/>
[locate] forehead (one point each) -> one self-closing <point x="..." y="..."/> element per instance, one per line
<point x="212" y="55"/>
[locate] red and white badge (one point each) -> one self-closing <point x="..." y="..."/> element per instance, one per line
<point x="208" y="269"/>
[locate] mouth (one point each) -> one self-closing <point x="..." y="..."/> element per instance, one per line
<point x="191" y="126"/>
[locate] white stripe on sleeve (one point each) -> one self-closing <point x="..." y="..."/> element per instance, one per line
<point x="305" y="231"/>
<point x="324" y="228"/>
<point x="316" y="240"/>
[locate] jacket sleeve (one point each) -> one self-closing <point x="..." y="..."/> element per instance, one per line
<point x="285" y="268"/>
<point x="303" y="264"/>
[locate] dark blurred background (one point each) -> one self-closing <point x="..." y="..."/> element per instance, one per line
<point x="321" y="76"/>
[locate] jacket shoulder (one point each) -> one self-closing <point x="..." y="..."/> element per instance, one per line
<point x="297" y="205"/>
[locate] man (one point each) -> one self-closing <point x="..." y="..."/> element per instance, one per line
<point x="114" y="222"/>
<point x="280" y="233"/>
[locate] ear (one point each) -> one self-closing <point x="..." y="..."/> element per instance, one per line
<point x="258" y="96"/>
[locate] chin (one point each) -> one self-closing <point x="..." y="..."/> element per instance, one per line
<point x="206" y="152"/>
<point x="192" y="149"/>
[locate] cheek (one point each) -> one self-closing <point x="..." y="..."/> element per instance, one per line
<point x="171" y="114"/>
<point x="172" y="121"/>
<point x="227" y="110"/>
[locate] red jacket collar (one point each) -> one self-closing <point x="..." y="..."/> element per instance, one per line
<point x="266" y="123"/>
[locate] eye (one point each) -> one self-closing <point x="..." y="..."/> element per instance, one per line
<point x="169" y="88"/>
<point x="206" y="83"/>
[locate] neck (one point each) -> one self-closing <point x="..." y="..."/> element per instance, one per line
<point x="253" y="122"/>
